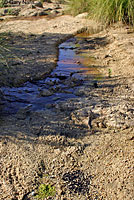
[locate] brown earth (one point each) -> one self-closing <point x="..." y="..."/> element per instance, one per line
<point x="54" y="146"/>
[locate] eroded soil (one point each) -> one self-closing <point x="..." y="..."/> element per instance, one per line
<point x="82" y="146"/>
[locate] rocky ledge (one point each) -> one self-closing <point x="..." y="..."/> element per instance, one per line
<point x="30" y="9"/>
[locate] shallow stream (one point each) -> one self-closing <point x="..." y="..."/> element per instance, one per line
<point x="74" y="68"/>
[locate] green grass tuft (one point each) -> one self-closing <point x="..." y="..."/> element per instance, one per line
<point x="111" y="11"/>
<point x="105" y="11"/>
<point x="45" y="191"/>
<point x="76" y="7"/>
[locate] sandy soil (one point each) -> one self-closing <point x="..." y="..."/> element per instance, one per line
<point x="47" y="146"/>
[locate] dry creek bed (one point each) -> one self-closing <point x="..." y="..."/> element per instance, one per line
<point x="83" y="146"/>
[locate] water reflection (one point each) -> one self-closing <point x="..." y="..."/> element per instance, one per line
<point x="60" y="83"/>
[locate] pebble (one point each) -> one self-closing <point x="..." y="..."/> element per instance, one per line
<point x="45" y="93"/>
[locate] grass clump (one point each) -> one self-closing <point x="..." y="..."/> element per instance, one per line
<point x="45" y="191"/>
<point x="111" y="11"/>
<point x="106" y="11"/>
<point x="76" y="7"/>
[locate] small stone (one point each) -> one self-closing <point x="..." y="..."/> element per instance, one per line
<point x="82" y="15"/>
<point x="95" y="84"/>
<point x="38" y="4"/>
<point x="45" y="93"/>
<point x="50" y="105"/>
<point x="83" y="117"/>
<point x="77" y="77"/>
<point x="56" y="98"/>
<point x="42" y="13"/>
<point x="52" y="81"/>
<point x="132" y="86"/>
<point x="79" y="92"/>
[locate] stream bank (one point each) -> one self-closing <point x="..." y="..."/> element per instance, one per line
<point x="83" y="146"/>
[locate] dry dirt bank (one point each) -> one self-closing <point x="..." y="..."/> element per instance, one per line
<point x="48" y="147"/>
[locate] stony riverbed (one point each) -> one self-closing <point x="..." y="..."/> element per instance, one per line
<point x="83" y="146"/>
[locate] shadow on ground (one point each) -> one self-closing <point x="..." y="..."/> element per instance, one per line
<point x="32" y="57"/>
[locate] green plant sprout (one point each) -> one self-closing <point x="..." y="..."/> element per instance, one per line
<point x="45" y="191"/>
<point x="109" y="73"/>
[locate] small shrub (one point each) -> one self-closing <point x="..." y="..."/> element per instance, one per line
<point x="45" y="191"/>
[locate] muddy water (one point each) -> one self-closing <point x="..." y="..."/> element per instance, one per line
<point x="74" y="68"/>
